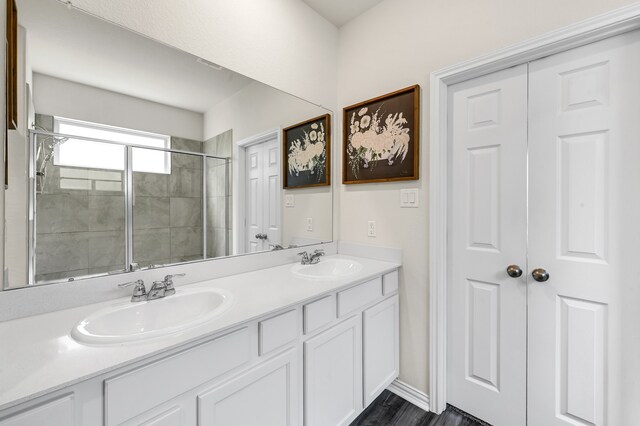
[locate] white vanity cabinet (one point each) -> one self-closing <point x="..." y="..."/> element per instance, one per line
<point x="381" y="347"/>
<point x="266" y="395"/>
<point x="333" y="375"/>
<point x="317" y="363"/>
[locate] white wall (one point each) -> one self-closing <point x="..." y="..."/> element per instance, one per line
<point x="64" y="98"/>
<point x="259" y="108"/>
<point x="397" y="44"/>
<point x="283" y="43"/>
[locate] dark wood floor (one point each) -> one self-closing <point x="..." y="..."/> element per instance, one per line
<point x="391" y="410"/>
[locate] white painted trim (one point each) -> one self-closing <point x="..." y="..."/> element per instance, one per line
<point x="591" y="30"/>
<point x="410" y="394"/>
<point x="239" y="174"/>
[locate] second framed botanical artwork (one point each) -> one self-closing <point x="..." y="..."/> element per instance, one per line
<point x="381" y="138"/>
<point x="307" y="153"/>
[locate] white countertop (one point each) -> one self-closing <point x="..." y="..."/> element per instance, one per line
<point x="38" y="354"/>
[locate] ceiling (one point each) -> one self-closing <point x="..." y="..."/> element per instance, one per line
<point x="73" y="45"/>
<point x="339" y="12"/>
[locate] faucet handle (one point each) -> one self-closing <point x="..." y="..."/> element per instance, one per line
<point x="129" y="284"/>
<point x="172" y="276"/>
<point x="168" y="281"/>
<point x="139" y="291"/>
<point x="319" y="252"/>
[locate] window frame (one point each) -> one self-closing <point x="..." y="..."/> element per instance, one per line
<point x="57" y="120"/>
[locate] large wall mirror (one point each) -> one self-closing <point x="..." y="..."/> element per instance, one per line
<point x="131" y="154"/>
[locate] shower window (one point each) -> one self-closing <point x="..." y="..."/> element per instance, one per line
<point x="95" y="155"/>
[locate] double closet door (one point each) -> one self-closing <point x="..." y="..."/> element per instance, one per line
<point x="543" y="300"/>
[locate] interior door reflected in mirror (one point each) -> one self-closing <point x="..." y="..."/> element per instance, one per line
<point x="131" y="154"/>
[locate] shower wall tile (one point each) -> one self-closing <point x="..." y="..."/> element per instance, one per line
<point x="186" y="212"/>
<point x="106" y="248"/>
<point x="151" y="212"/>
<point x="151" y="244"/>
<point x="185" y="183"/>
<point x="186" y="144"/>
<point x="62" y="213"/>
<point x="150" y="184"/>
<point x="186" y="242"/>
<point x="186" y="161"/>
<point x="62" y="252"/>
<point x="106" y="213"/>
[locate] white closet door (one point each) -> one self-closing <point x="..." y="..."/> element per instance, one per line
<point x="584" y="322"/>
<point x="486" y="325"/>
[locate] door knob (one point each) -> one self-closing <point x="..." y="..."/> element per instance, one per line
<point x="540" y="275"/>
<point x="514" y="271"/>
<point x="261" y="236"/>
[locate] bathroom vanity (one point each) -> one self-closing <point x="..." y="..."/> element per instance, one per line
<point x="291" y="350"/>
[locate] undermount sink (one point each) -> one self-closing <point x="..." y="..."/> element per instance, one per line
<point x="327" y="268"/>
<point x="130" y="322"/>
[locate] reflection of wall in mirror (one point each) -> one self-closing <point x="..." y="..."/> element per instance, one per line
<point x="258" y="108"/>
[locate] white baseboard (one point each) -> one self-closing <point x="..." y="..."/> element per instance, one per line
<point x="411" y="394"/>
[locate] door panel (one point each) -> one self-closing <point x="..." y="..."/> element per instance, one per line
<point x="584" y="343"/>
<point x="254" y="217"/>
<point x="264" y="209"/>
<point x="486" y="365"/>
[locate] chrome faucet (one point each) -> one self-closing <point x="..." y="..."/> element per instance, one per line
<point x="158" y="290"/>
<point x="163" y="288"/>
<point x="139" y="290"/>
<point x="311" y="259"/>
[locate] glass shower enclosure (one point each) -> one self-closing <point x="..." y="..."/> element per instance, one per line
<point x="100" y="206"/>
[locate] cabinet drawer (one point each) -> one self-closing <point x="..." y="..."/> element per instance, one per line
<point x="390" y="282"/>
<point x="278" y="331"/>
<point x="361" y="295"/>
<point x="59" y="412"/>
<point x="319" y="313"/>
<point x="133" y="393"/>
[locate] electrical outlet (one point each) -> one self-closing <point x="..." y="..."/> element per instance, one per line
<point x="289" y="201"/>
<point x="309" y="224"/>
<point x="371" y="228"/>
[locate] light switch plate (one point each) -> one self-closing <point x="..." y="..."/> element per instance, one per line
<point x="289" y="200"/>
<point x="409" y="198"/>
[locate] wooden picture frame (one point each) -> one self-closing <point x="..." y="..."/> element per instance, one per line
<point x="381" y="138"/>
<point x="306" y="153"/>
<point x="11" y="80"/>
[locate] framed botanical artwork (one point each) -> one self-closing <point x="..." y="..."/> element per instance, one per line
<point x="307" y="153"/>
<point x="381" y="138"/>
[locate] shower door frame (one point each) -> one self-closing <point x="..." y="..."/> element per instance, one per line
<point x="128" y="200"/>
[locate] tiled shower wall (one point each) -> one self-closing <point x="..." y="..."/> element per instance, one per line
<point x="82" y="231"/>
<point x="219" y="198"/>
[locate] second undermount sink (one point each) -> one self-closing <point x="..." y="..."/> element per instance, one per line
<point x="327" y="268"/>
<point x="130" y="322"/>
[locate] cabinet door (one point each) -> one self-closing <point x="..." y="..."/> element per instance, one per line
<point x="180" y="412"/>
<point x="333" y="375"/>
<point x="59" y="412"/>
<point x="267" y="395"/>
<point x="380" y="347"/>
